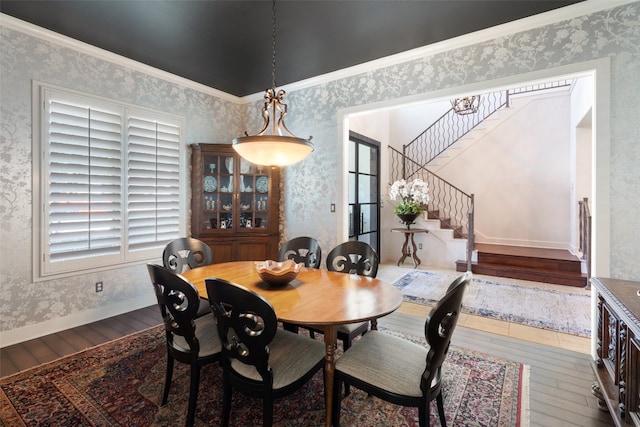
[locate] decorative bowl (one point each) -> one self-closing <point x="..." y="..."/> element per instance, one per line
<point x="226" y="207"/>
<point x="245" y="206"/>
<point x="277" y="273"/>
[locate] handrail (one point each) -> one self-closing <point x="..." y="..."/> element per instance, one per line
<point x="584" y="217"/>
<point x="450" y="127"/>
<point x="453" y="207"/>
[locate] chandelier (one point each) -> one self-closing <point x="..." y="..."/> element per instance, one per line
<point x="275" y="144"/>
<point x="466" y="105"/>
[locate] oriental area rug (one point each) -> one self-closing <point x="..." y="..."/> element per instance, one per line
<point x="561" y="311"/>
<point x="120" y="384"/>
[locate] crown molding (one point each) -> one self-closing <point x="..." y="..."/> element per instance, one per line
<point x="503" y="30"/>
<point x="525" y="24"/>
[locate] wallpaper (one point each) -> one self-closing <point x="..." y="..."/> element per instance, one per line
<point x="612" y="34"/>
<point x="312" y="185"/>
<point x="24" y="58"/>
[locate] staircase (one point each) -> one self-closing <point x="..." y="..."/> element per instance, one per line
<point x="540" y="265"/>
<point x="453" y="210"/>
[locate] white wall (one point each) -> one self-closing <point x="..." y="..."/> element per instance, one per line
<point x="519" y="172"/>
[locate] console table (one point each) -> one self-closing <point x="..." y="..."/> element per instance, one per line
<point x="406" y="251"/>
<point x="617" y="366"/>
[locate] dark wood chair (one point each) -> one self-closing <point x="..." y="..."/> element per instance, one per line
<point x="359" y="258"/>
<point x="190" y="339"/>
<point x="184" y="254"/>
<point x="399" y="371"/>
<point x="304" y="250"/>
<point x="258" y="358"/>
<point x="353" y="257"/>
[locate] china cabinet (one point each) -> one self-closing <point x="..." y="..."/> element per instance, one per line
<point x="234" y="204"/>
<point x="617" y="366"/>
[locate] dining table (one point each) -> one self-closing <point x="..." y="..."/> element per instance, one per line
<point x="316" y="297"/>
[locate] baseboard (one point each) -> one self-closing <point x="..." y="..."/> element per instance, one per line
<point x="52" y="326"/>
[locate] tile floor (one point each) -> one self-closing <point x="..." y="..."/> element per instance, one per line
<point x="391" y="273"/>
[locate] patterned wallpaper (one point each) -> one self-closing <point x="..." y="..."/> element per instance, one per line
<point x="312" y="185"/>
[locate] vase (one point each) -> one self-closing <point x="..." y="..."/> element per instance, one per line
<point x="408" y="219"/>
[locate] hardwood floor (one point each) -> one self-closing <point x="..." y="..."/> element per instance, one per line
<point x="560" y="379"/>
<point x="34" y="352"/>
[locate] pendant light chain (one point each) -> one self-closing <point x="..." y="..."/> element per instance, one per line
<point x="273" y="45"/>
<point x="275" y="144"/>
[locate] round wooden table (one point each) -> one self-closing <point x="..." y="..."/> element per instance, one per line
<point x="406" y="251"/>
<point x="320" y="298"/>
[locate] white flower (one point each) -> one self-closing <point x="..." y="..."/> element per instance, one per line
<point x="413" y="195"/>
<point x="414" y="191"/>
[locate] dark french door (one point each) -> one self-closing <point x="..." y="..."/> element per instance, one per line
<point x="364" y="190"/>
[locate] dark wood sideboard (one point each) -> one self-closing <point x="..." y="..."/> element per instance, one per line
<point x="617" y="365"/>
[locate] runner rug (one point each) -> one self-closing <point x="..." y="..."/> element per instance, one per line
<point x="120" y="384"/>
<point x="560" y="311"/>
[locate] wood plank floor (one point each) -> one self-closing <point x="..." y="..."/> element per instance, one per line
<point x="560" y="379"/>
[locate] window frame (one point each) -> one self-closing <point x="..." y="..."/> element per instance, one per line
<point x="43" y="268"/>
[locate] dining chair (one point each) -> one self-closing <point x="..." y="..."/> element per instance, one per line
<point x="304" y="250"/>
<point x="190" y="339"/>
<point x="359" y="258"/>
<point x="353" y="257"/>
<point x="186" y="253"/>
<point x="399" y="371"/>
<point x="258" y="358"/>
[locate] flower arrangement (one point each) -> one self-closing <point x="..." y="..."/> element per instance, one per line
<point x="413" y="195"/>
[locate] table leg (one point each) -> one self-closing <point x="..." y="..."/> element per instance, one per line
<point x="330" y="339"/>
<point x="416" y="260"/>
<point x="405" y="249"/>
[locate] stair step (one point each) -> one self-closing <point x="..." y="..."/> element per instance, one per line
<point x="532" y="274"/>
<point x="540" y="265"/>
<point x="560" y="265"/>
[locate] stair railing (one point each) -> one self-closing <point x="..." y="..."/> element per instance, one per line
<point x="450" y="127"/>
<point x="584" y="218"/>
<point x="436" y="139"/>
<point x="452" y="206"/>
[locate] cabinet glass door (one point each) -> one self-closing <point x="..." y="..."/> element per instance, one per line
<point x="254" y="196"/>
<point x="218" y="192"/>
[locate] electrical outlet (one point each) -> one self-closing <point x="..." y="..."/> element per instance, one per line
<point x="333" y="207"/>
<point x="419" y="245"/>
<point x="98" y="286"/>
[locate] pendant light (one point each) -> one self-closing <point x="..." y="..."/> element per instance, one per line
<point x="274" y="145"/>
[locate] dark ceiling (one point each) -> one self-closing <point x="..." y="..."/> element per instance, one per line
<point x="227" y="45"/>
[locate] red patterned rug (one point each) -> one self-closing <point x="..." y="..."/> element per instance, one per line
<point x="120" y="384"/>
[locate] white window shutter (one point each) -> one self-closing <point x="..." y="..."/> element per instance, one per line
<point x="153" y="171"/>
<point x="84" y="201"/>
<point x="110" y="180"/>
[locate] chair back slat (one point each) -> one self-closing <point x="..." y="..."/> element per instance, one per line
<point x="305" y="250"/>
<point x="178" y="301"/>
<point x="186" y="253"/>
<point x="353" y="257"/>
<point x="439" y="327"/>
<point x="246" y="322"/>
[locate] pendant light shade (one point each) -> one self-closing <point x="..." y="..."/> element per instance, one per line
<point x="274" y="145"/>
<point x="271" y="150"/>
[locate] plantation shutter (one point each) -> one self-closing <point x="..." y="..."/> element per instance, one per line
<point x="109" y="183"/>
<point x="153" y="171"/>
<point x="84" y="200"/>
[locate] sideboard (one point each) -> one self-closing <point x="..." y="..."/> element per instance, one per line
<point x="617" y="365"/>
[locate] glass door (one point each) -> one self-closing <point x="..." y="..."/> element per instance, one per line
<point x="364" y="190"/>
